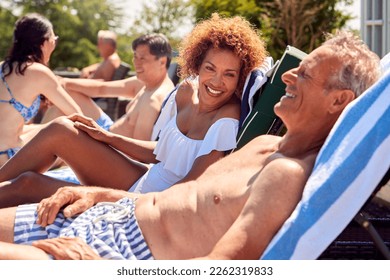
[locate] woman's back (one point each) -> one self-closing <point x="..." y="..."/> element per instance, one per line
<point x="19" y="103"/>
<point x="20" y="92"/>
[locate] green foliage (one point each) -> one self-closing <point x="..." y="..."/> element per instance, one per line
<point x="164" y="16"/>
<point x="75" y="22"/>
<point x="124" y="48"/>
<point x="5" y="33"/>
<point x="245" y="8"/>
<point x="300" y="23"/>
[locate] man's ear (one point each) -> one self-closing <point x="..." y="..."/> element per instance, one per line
<point x="163" y="61"/>
<point x="342" y="99"/>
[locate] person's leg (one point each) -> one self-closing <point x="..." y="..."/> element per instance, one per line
<point x="7" y="221"/>
<point x="21" y="252"/>
<point x="29" y="187"/>
<point x="87" y="105"/>
<point x="50" y="114"/>
<point x="10" y="251"/>
<point x="94" y="163"/>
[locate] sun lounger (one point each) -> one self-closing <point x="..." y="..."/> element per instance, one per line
<point x="367" y="236"/>
<point x="110" y="104"/>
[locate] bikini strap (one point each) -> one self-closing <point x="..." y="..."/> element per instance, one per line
<point x="12" y="100"/>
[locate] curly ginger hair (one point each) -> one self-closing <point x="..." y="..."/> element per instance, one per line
<point x="235" y="34"/>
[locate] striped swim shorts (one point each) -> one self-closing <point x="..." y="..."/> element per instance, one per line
<point x="110" y="229"/>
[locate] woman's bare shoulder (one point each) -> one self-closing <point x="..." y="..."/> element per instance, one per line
<point x="39" y="70"/>
<point x="230" y="110"/>
<point x="40" y="76"/>
<point x="188" y="86"/>
<point x="185" y="91"/>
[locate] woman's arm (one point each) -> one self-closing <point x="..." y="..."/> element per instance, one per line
<point x="140" y="150"/>
<point x="47" y="84"/>
<point x="201" y="164"/>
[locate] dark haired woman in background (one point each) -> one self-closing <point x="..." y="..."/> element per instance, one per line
<point x="24" y="78"/>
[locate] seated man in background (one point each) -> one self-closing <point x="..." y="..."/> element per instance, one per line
<point x="147" y="90"/>
<point x="232" y="210"/>
<point x="106" y="44"/>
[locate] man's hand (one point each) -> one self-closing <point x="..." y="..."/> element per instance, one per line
<point x="67" y="248"/>
<point x="79" y="200"/>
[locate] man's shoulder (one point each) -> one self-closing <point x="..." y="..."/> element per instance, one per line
<point x="287" y="174"/>
<point x="296" y="169"/>
<point x="163" y="90"/>
<point x="114" y="58"/>
<point x="268" y="144"/>
<point x="261" y="143"/>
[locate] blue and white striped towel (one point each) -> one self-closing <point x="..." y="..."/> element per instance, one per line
<point x="351" y="163"/>
<point x="255" y="80"/>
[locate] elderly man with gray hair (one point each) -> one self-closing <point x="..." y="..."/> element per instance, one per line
<point x="106" y="44"/>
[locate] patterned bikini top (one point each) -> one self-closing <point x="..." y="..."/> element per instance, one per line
<point x="27" y="112"/>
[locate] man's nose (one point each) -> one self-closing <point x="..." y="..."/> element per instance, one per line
<point x="136" y="61"/>
<point x="290" y="76"/>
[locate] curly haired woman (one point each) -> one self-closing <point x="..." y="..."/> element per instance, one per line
<point x="215" y="59"/>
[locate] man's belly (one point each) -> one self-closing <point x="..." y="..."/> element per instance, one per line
<point x="186" y="224"/>
<point x="124" y="126"/>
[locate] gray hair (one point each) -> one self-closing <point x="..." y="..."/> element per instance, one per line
<point x="107" y="36"/>
<point x="360" y="67"/>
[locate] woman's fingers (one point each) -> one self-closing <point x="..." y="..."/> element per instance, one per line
<point x="82" y="119"/>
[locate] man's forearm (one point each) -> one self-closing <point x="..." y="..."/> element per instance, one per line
<point x="88" y="87"/>
<point x="113" y="195"/>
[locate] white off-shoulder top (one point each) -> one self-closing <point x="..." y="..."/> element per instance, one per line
<point x="176" y="153"/>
